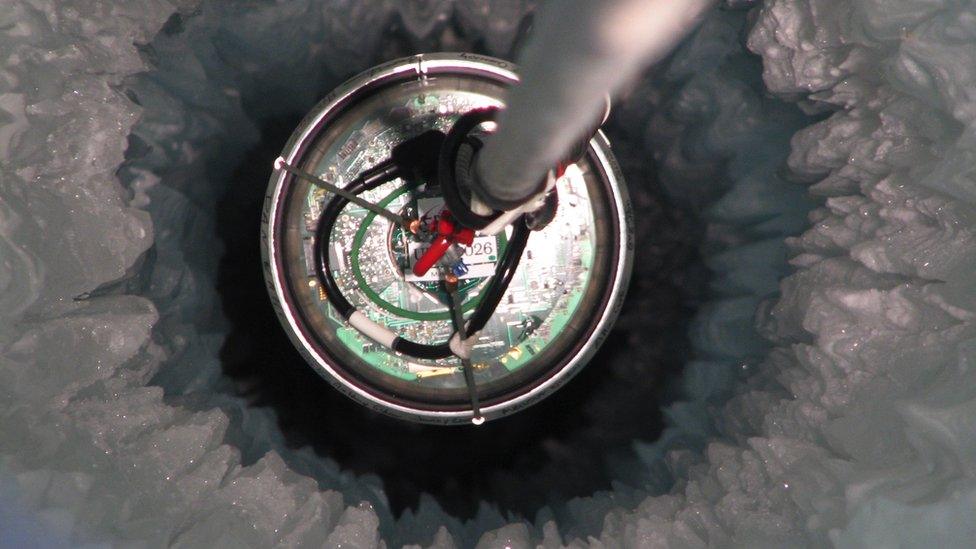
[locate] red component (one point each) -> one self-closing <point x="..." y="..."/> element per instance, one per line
<point x="447" y="233"/>
<point x="465" y="236"/>
<point x="433" y="254"/>
<point x="444" y="225"/>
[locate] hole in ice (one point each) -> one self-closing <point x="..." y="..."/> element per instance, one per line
<point x="556" y="450"/>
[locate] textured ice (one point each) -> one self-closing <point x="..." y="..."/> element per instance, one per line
<point x="836" y="406"/>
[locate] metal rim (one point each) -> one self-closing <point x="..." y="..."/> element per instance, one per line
<point x="419" y="67"/>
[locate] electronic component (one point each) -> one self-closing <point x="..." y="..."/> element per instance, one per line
<point x="355" y="213"/>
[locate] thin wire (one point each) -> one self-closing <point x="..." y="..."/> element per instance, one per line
<point x="458" y="318"/>
<point x="319" y="182"/>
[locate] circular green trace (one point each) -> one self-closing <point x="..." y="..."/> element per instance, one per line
<point x="373" y="295"/>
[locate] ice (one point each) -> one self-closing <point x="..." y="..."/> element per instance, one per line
<point x="498" y="22"/>
<point x="834" y="406"/>
<point x="513" y="535"/>
<point x="890" y="523"/>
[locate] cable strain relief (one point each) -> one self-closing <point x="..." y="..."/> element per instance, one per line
<point x="462" y="347"/>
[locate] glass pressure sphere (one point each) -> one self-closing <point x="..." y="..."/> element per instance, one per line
<point x="556" y="310"/>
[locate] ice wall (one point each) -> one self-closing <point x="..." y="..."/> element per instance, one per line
<point x="855" y="430"/>
<point x="841" y="412"/>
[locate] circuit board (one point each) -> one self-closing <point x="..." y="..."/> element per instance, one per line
<point x="372" y="259"/>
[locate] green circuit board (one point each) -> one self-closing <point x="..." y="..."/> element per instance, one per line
<point x="372" y="259"/>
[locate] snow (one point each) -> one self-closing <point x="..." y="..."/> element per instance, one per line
<point x="833" y="406"/>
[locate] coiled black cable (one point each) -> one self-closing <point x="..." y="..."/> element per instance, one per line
<point x="366" y="181"/>
<point x="452" y="172"/>
<point x="504" y="270"/>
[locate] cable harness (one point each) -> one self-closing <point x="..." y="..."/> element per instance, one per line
<point x="446" y="160"/>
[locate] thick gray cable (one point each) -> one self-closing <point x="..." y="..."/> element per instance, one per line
<point x="580" y="51"/>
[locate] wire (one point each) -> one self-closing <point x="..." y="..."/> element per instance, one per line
<point x="457" y="317"/>
<point x="454" y="167"/>
<point x="330" y="214"/>
<point x="319" y="182"/>
<point x="504" y="272"/>
<point x="499" y="283"/>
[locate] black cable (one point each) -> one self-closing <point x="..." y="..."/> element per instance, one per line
<point x="504" y="271"/>
<point x="454" y="169"/>
<point x="422" y="350"/>
<point x="371" y="179"/>
<point x="457" y="318"/>
<point x="500" y="281"/>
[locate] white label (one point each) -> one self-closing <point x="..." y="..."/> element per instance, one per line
<point x="480" y="257"/>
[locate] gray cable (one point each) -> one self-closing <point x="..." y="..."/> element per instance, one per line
<point x="580" y="51"/>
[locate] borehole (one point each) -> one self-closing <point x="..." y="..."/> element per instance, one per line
<point x="832" y="408"/>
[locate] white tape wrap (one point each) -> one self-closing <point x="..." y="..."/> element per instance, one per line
<point x="462" y="348"/>
<point x="374" y="331"/>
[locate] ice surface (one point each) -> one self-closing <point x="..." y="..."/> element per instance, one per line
<point x="837" y="406"/>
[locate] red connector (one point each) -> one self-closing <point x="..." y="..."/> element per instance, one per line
<point x="447" y="234"/>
